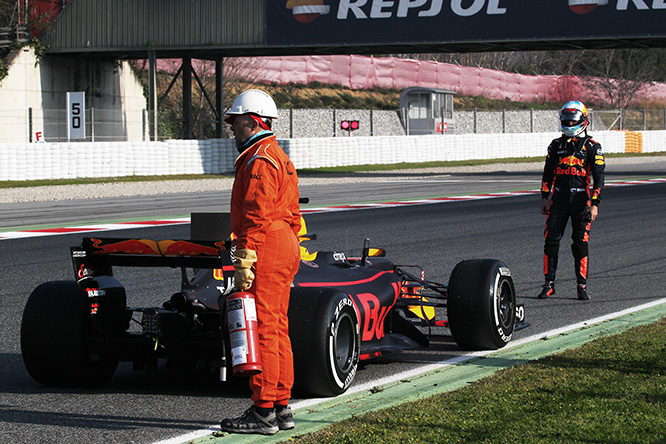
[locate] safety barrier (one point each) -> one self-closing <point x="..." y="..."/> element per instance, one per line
<point x="26" y="161"/>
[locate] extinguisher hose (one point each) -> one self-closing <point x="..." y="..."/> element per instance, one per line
<point x="223" y="363"/>
<point x="224" y="328"/>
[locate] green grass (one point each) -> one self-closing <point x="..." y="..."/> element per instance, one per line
<point x="38" y="183"/>
<point x="408" y="165"/>
<point x="301" y="172"/>
<point x="611" y="390"/>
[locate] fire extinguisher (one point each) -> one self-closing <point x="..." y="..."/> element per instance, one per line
<point x="243" y="334"/>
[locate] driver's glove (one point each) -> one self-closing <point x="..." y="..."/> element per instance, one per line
<point x="243" y="261"/>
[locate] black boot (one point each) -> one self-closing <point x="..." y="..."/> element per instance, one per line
<point x="547" y="290"/>
<point x="285" y="419"/>
<point x="582" y="292"/>
<point x="252" y="422"/>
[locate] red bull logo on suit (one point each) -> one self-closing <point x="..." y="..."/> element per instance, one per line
<point x="572" y="161"/>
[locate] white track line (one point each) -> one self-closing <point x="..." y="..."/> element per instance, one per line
<point x="432" y="367"/>
<point x="351" y="207"/>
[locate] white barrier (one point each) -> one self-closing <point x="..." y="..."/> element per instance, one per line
<point x="36" y="161"/>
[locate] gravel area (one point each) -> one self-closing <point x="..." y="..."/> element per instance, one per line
<point x="124" y="189"/>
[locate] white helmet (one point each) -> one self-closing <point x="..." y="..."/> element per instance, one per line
<point x="253" y="101"/>
<point x="574" y="118"/>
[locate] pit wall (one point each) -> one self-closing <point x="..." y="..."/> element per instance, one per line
<point x="33" y="161"/>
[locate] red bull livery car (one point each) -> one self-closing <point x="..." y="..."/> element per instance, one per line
<point x="342" y="310"/>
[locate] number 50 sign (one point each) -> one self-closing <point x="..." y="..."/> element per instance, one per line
<point x="76" y="115"/>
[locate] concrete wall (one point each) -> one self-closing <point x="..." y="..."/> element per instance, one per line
<point x="304" y="123"/>
<point x="111" y="89"/>
<point x="29" y="161"/>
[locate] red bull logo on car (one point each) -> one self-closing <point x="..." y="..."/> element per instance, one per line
<point x="162" y="248"/>
<point x="127" y="246"/>
<point x="185" y="248"/>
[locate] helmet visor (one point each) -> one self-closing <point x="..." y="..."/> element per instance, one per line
<point x="571" y="117"/>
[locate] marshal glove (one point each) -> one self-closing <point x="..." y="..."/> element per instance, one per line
<point x="243" y="261"/>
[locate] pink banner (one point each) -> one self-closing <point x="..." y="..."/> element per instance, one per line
<point x="362" y="72"/>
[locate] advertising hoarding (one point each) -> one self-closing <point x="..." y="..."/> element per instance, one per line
<point x="400" y="22"/>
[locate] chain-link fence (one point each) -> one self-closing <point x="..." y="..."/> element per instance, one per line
<point x="628" y="119"/>
<point x="109" y="125"/>
<point x="101" y="125"/>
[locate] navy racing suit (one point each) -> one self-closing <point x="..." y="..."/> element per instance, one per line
<point x="570" y="164"/>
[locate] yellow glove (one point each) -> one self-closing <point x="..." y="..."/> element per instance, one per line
<point x="243" y="260"/>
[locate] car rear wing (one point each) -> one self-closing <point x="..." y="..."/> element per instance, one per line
<point x="96" y="255"/>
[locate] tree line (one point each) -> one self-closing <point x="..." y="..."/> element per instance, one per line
<point x="618" y="75"/>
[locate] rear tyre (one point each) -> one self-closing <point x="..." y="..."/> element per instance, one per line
<point x="56" y="321"/>
<point x="481" y="304"/>
<point x="325" y="338"/>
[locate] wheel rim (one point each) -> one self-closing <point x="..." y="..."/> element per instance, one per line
<point x="505" y="305"/>
<point x="344" y="343"/>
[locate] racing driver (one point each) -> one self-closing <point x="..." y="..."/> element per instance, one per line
<point x="265" y="219"/>
<point x="572" y="161"/>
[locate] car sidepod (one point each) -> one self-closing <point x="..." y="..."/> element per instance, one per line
<point x="341" y="312"/>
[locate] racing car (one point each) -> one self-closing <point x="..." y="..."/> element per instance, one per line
<point x="342" y="310"/>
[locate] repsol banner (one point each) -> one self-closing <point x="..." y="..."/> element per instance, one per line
<point x="325" y="22"/>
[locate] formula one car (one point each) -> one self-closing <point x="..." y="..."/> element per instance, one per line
<point x="342" y="310"/>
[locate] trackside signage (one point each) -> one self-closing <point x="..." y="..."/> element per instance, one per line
<point x="315" y="22"/>
<point x="76" y="117"/>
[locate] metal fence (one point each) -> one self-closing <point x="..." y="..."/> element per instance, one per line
<point x="101" y="125"/>
<point x="13" y="34"/>
<point x="632" y="120"/>
<point x="20" y="126"/>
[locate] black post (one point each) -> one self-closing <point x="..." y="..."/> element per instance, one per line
<point x="30" y="125"/>
<point x="187" y="98"/>
<point x="219" y="97"/>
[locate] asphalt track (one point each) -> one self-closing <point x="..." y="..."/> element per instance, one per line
<point x="627" y="270"/>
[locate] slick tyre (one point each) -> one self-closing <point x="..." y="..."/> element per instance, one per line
<point x="481" y="304"/>
<point x="56" y="321"/>
<point x="325" y="339"/>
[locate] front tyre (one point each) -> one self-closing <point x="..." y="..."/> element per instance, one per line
<point x="55" y="324"/>
<point x="481" y="304"/>
<point x="325" y="339"/>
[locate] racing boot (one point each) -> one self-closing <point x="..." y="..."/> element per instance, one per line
<point x="285" y="419"/>
<point x="582" y="292"/>
<point x="547" y="290"/>
<point x="252" y="421"/>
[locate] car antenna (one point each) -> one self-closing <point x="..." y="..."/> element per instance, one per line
<point x="366" y="251"/>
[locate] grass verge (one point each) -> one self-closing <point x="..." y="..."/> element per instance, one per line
<point x="611" y="390"/>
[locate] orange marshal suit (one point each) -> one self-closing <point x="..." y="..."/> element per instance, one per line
<point x="265" y="218"/>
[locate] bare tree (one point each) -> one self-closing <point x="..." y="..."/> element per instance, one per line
<point x="619" y="76"/>
<point x="238" y="74"/>
<point x="611" y="78"/>
<point x="8" y="12"/>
